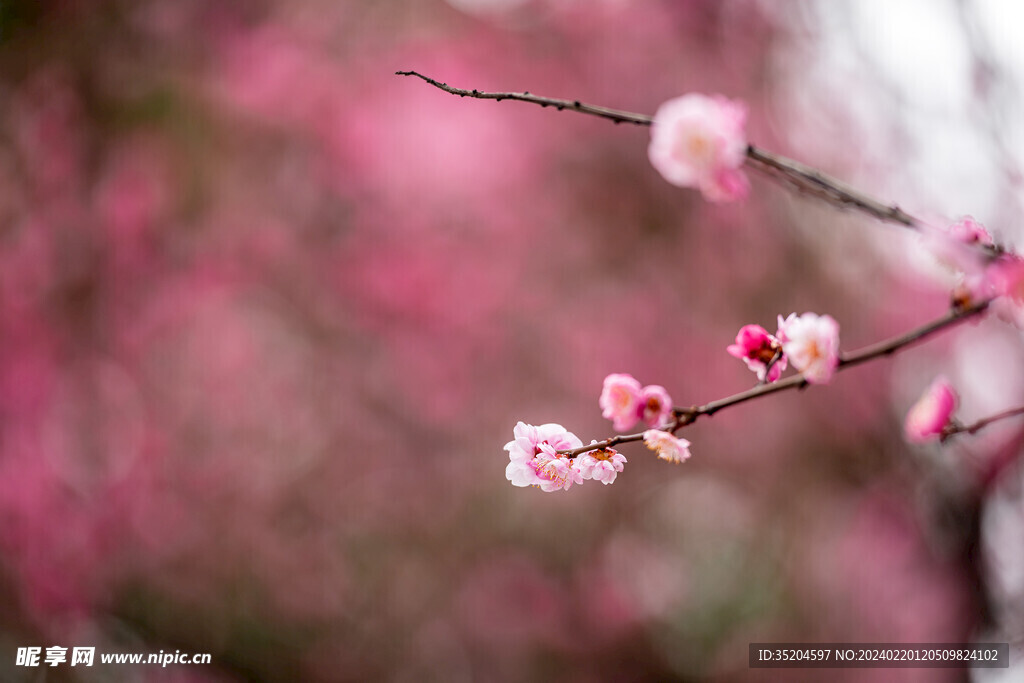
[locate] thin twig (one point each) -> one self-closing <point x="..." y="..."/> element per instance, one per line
<point x="804" y="179"/>
<point x="575" y="105"/>
<point x="984" y="422"/>
<point x="801" y="177"/>
<point x="771" y="363"/>
<point x="685" y="416"/>
<point x="815" y="183"/>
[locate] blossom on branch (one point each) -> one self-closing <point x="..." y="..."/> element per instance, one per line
<point x="955" y="248"/>
<point x="620" y="399"/>
<point x="811" y="342"/>
<point x="601" y="465"/>
<point x="928" y="417"/>
<point x="755" y="347"/>
<point x="667" y="446"/>
<point x="533" y="460"/>
<point x="625" y="402"/>
<point x="655" y="405"/>
<point x="969" y="231"/>
<point x="699" y="141"/>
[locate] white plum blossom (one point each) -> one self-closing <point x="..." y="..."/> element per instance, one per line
<point x="601" y="465"/>
<point x="667" y="446"/>
<point x="533" y="460"/>
<point x="811" y="343"/>
<point x="699" y="141"/>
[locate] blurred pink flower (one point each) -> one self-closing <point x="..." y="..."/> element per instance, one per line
<point x="969" y="231"/>
<point x="811" y="342"/>
<point x="1005" y="279"/>
<point x="930" y="415"/>
<point x="46" y="127"/>
<point x="624" y="402"/>
<point x="601" y="465"/>
<point x="655" y="405"/>
<point x="954" y="247"/>
<point x="508" y="599"/>
<point x="667" y="447"/>
<point x="620" y="400"/>
<point x="534" y="462"/>
<point x="874" y="563"/>
<point x="756" y="348"/>
<point x="699" y="141"/>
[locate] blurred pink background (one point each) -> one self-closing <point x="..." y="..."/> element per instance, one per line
<point x="268" y="314"/>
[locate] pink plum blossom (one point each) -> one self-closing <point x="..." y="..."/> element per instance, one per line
<point x="755" y="347"/>
<point x="667" y="446"/>
<point x="955" y="247"/>
<point x="533" y="460"/>
<point x="655" y="405"/>
<point x="811" y="342"/>
<point x="699" y="141"/>
<point x="1005" y="280"/>
<point x="969" y="231"/>
<point x="625" y="402"/>
<point x="601" y="465"/>
<point x="930" y="415"/>
<point x="620" y="399"/>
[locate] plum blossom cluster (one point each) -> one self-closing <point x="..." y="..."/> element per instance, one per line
<point x="998" y="279"/>
<point x="997" y="276"/>
<point x="535" y="460"/>
<point x="962" y="247"/>
<point x="699" y="141"/>
<point x="551" y="458"/>
<point x="625" y="402"/>
<point x="810" y="342"/>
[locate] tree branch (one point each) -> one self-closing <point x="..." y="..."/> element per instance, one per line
<point x="815" y="183"/>
<point x="980" y="424"/>
<point x="685" y="416"/>
<point x="799" y="176"/>
<point x="804" y="179"/>
<point x="575" y="105"/>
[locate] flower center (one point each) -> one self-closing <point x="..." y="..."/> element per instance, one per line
<point x="765" y="353"/>
<point x="622" y="398"/>
<point x="698" y="148"/>
<point x="552" y="471"/>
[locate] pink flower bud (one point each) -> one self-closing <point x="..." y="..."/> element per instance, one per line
<point x="620" y="400"/>
<point x="755" y="347"/>
<point x="930" y="415"/>
<point x="655" y="405"/>
<point x="969" y="231"/>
